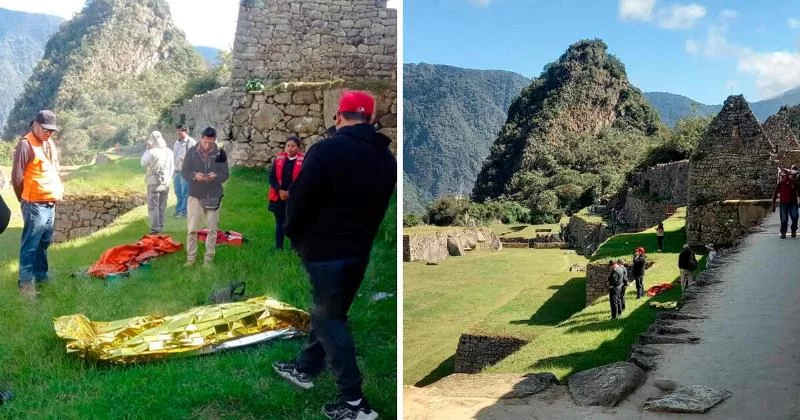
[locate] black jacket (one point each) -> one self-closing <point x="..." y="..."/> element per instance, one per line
<point x="638" y="265"/>
<point x="687" y="260"/>
<point x="339" y="200"/>
<point x="617" y="277"/>
<point x="216" y="162"/>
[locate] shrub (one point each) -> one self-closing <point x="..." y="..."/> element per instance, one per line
<point x="411" y="220"/>
<point x="448" y="211"/>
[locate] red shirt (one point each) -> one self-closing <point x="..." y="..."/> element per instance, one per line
<point x="787" y="190"/>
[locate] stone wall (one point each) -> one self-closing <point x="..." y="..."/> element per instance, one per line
<point x="78" y="216"/>
<point x="643" y="211"/>
<point x="667" y="181"/>
<point x="261" y="122"/>
<point x="778" y="132"/>
<point x="597" y="278"/>
<point x="314" y="40"/>
<point x="579" y="233"/>
<point x="474" y="352"/>
<point x="724" y="222"/>
<point x="432" y="247"/>
<point x="210" y="109"/>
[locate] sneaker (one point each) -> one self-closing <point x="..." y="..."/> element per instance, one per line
<point x="794" y="234"/>
<point x="342" y="410"/>
<point x="28" y="290"/>
<point x="783" y="236"/>
<point x="288" y="370"/>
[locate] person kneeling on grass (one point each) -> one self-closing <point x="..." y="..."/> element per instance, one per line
<point x="333" y="213"/>
<point x="206" y="168"/>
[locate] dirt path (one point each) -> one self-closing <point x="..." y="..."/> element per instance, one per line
<point x="750" y="346"/>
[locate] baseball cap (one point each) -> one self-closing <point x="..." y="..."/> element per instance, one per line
<point x="640" y="250"/>
<point x="357" y="101"/>
<point x="47" y="119"/>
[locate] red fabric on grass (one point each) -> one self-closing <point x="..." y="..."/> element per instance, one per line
<point x="127" y="257"/>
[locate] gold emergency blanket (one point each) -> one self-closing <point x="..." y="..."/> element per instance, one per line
<point x="200" y="330"/>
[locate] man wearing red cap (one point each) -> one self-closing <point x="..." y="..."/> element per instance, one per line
<point x="333" y="213"/>
<point x="637" y="271"/>
<point x="38" y="187"/>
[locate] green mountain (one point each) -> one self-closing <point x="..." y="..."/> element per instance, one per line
<point x="210" y="54"/>
<point x="450" y="116"/>
<point x="570" y="136"/>
<point x="22" y="40"/>
<point x="108" y="73"/>
<point x="672" y="107"/>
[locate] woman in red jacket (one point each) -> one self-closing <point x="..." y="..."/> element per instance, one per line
<point x="284" y="171"/>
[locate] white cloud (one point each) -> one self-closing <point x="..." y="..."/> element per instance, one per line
<point x="774" y="71"/>
<point x="729" y="14"/>
<point x="731" y="86"/>
<point x="794" y="23"/>
<point x="680" y="16"/>
<point x="482" y="3"/>
<point x="394" y="4"/>
<point x="212" y="24"/>
<point x="636" y="9"/>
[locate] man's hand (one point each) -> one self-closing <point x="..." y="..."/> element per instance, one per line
<point x="200" y="177"/>
<point x="773" y="207"/>
<point x="283" y="194"/>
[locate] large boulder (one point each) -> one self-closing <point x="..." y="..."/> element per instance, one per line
<point x="605" y="385"/>
<point x="453" y="247"/>
<point x="690" y="399"/>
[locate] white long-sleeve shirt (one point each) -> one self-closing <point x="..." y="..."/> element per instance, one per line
<point x="180" y="149"/>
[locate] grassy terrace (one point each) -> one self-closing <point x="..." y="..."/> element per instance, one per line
<point x="236" y="384"/>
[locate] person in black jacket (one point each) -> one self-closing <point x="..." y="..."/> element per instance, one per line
<point x="285" y="170"/>
<point x="687" y="262"/>
<point x="333" y="213"/>
<point x="639" y="261"/>
<point x="616" y="279"/>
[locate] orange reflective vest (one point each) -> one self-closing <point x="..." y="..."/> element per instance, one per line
<point x="280" y="161"/>
<point x="41" y="182"/>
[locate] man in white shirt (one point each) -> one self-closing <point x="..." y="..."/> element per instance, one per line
<point x="184" y="143"/>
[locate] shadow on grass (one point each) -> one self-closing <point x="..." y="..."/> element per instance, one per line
<point x="567" y="301"/>
<point x="445" y="368"/>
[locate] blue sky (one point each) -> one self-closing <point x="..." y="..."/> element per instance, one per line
<point x="705" y="50"/>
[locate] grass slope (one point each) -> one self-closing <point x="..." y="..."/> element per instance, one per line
<point x="565" y="343"/>
<point x="442" y="301"/>
<point x="236" y="384"/>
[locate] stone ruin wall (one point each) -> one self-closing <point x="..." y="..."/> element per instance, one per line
<point x="474" y="352"/>
<point x="734" y="161"/>
<point x="654" y="191"/>
<point x="211" y="109"/>
<point x="310" y="50"/>
<point x="723" y="223"/>
<point x="261" y="122"/>
<point x="432" y="247"/>
<point x="579" y="233"/>
<point x="79" y="216"/>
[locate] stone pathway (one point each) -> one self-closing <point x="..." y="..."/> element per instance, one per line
<point x="750" y="346"/>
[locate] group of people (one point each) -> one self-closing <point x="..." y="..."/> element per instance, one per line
<point x="330" y="203"/>
<point x="618" y="280"/>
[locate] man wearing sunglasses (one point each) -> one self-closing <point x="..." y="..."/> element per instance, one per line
<point x="38" y="187"/>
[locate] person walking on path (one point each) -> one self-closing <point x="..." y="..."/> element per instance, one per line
<point x="687" y="263"/>
<point x="621" y="264"/>
<point x="660" y="237"/>
<point x="284" y="172"/>
<point x="184" y="143"/>
<point x="158" y="160"/>
<point x="206" y="168"/>
<point x="333" y="213"/>
<point x="616" y="279"/>
<point x="787" y="190"/>
<point x="639" y="261"/>
<point x="37" y="184"/>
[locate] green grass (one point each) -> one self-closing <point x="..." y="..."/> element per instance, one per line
<point x="589" y="218"/>
<point x="236" y="384"/>
<point x="119" y="176"/>
<point x="588" y="338"/>
<point x="442" y="301"/>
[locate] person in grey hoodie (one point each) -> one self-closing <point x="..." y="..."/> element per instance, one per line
<point x="158" y="160"/>
<point x="206" y="169"/>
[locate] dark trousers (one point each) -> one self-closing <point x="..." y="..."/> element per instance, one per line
<point x="279" y="210"/>
<point x="660" y="242"/>
<point x="614" y="298"/>
<point x="639" y="280"/>
<point x="333" y="286"/>
<point x="787" y="211"/>
<point x="622" y="297"/>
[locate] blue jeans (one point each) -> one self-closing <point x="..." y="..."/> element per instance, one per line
<point x="787" y="211"/>
<point x="181" y="193"/>
<point x="333" y="286"/>
<point x="37" y="233"/>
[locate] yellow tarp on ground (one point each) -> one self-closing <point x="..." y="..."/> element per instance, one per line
<point x="199" y="330"/>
